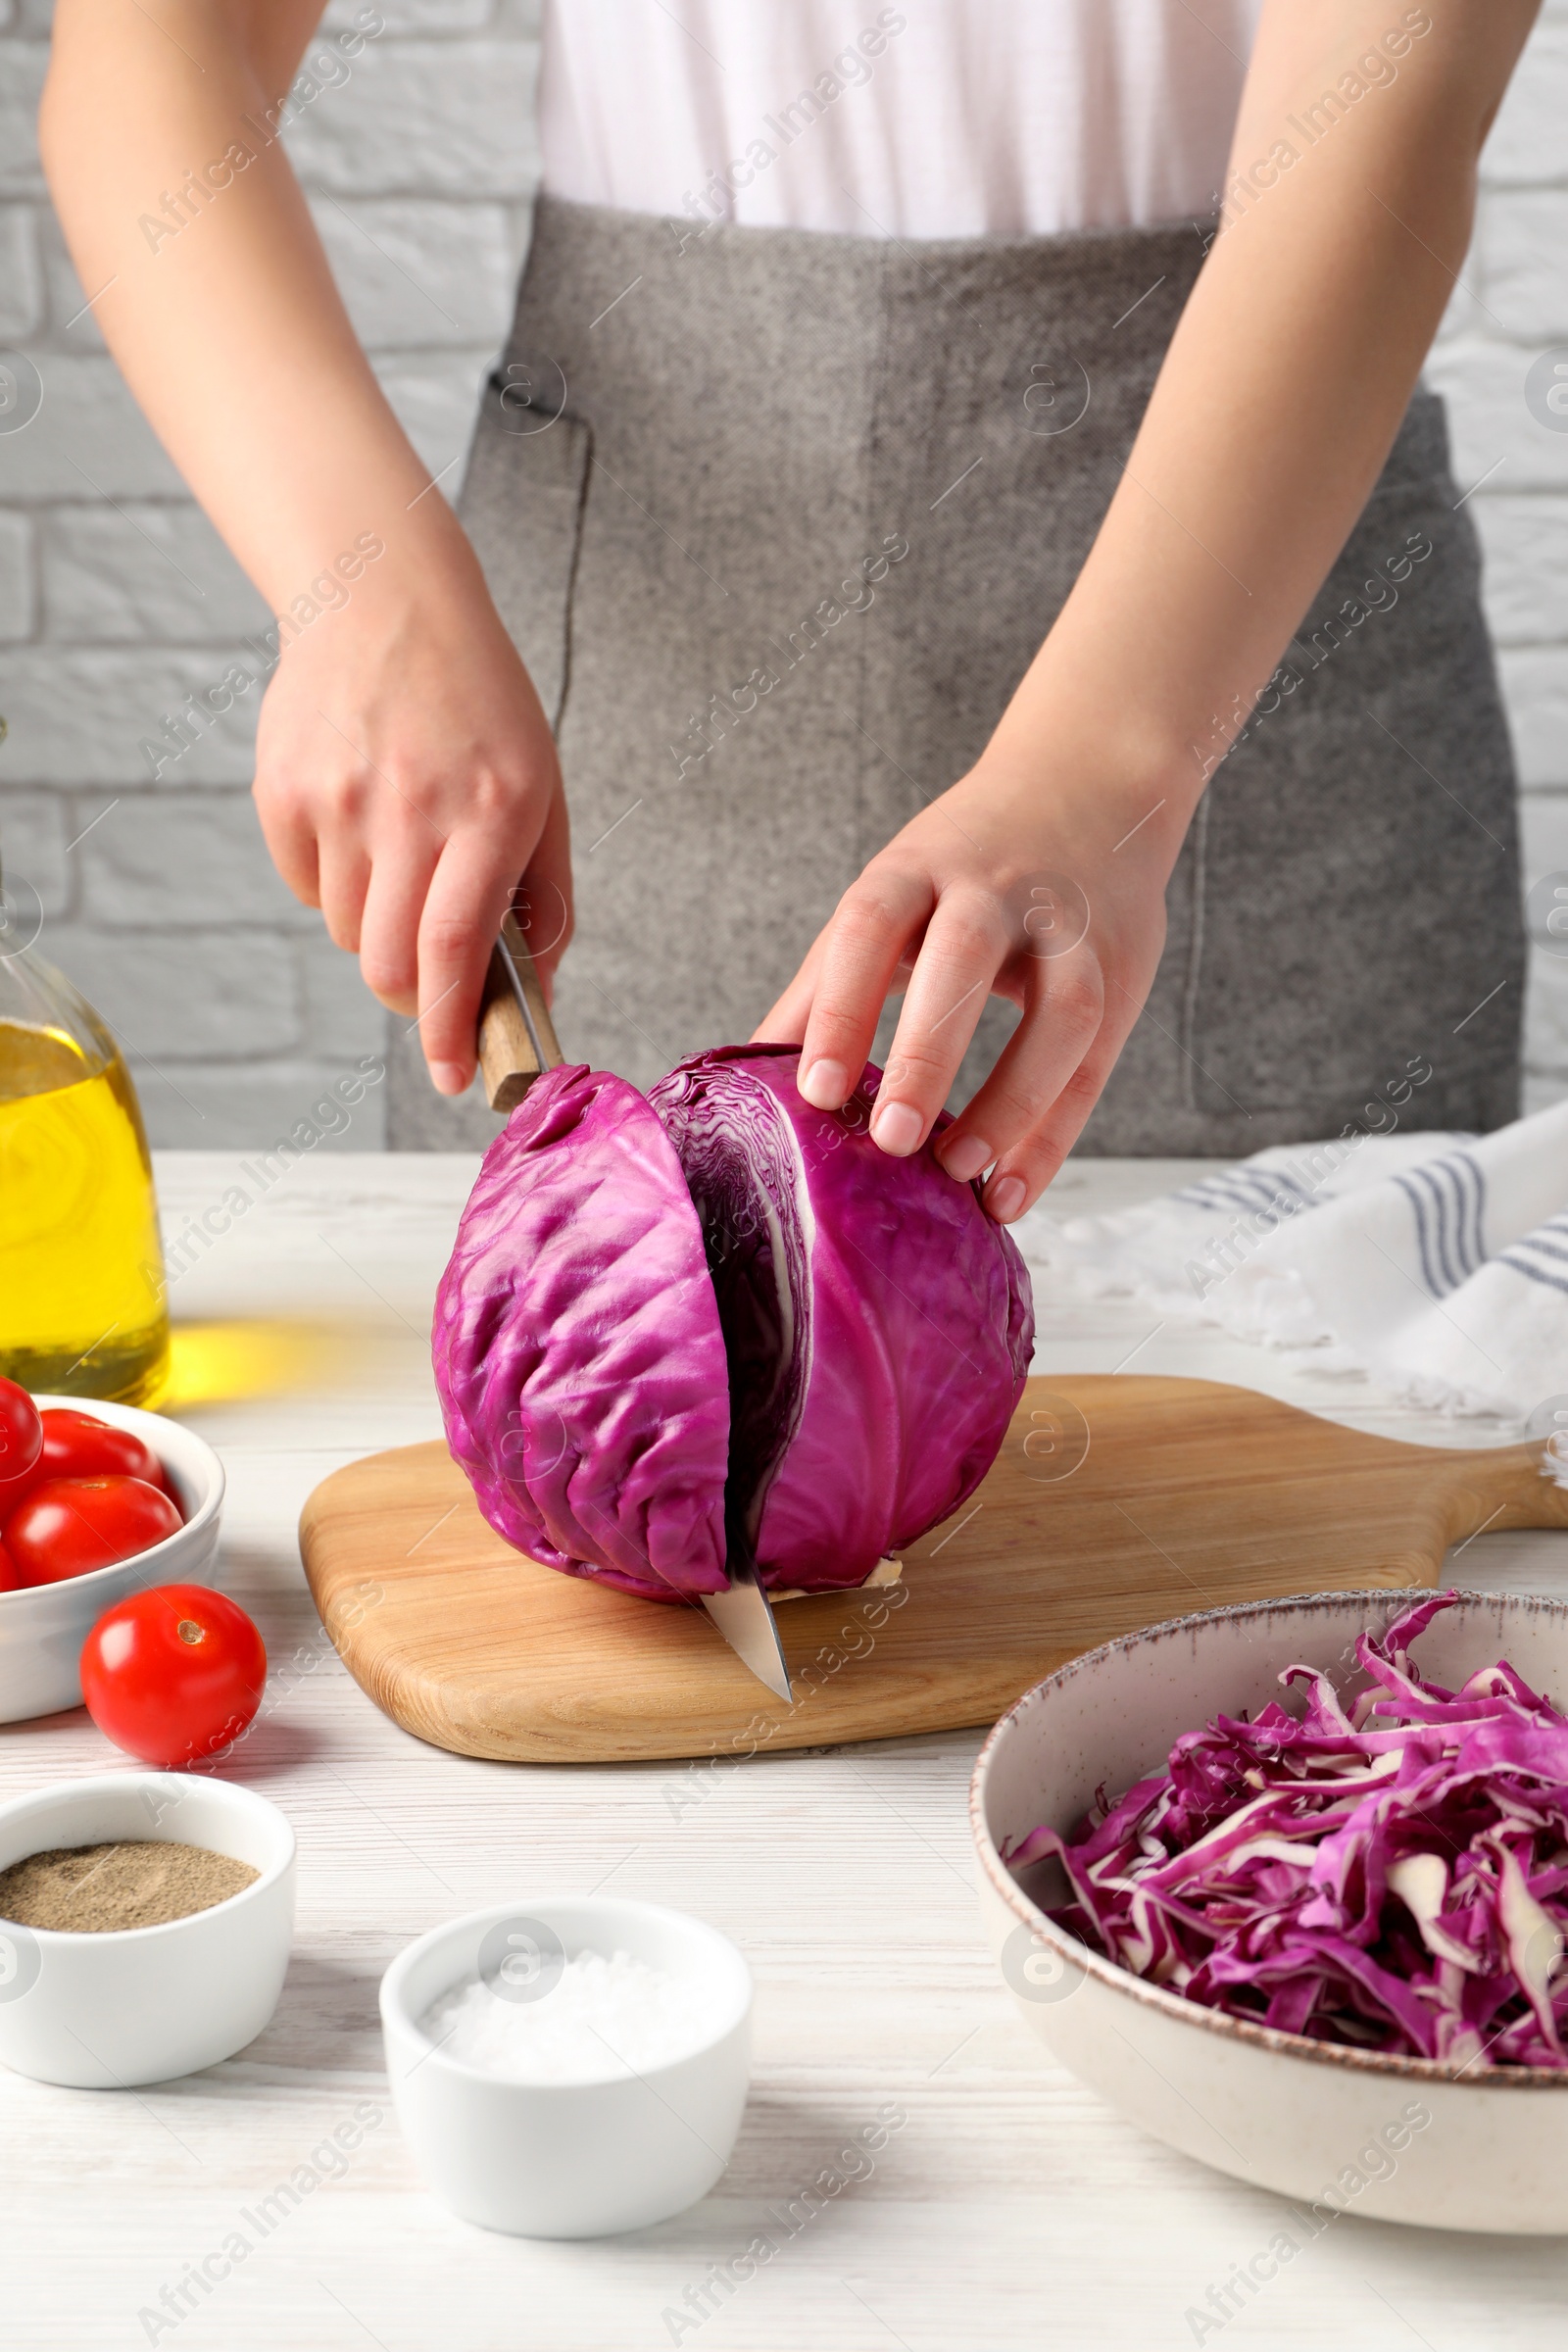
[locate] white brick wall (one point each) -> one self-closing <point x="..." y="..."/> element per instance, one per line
<point x="1513" y="305"/>
<point x="115" y="598"/>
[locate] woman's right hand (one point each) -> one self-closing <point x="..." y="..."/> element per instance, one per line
<point x="406" y="781"/>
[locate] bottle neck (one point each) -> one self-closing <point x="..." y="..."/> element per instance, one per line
<point x="49" y="1035"/>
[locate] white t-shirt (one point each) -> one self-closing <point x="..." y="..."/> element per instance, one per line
<point x="931" y="119"/>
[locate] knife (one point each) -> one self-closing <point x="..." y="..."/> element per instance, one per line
<point x="518" y="1044"/>
<point x="517" y="1040"/>
<point x="744" y="1615"/>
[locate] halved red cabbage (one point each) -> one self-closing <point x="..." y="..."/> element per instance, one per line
<point x="1392" y="1874"/>
<point x="878" y="1324"/>
<point x="577" y="1348"/>
<point x="827" y="1347"/>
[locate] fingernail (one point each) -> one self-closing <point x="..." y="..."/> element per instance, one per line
<point x="1005" y="1198"/>
<point x="965" y="1157"/>
<point x="897" y="1127"/>
<point x="448" y="1078"/>
<point x="824" y="1085"/>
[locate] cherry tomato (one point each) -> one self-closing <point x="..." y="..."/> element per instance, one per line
<point x="10" y="1580"/>
<point x="71" y="1526"/>
<point x="21" y="1442"/>
<point x="174" y="1674"/>
<point x="80" y="1446"/>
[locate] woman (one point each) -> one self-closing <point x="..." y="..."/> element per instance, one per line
<point x="919" y="457"/>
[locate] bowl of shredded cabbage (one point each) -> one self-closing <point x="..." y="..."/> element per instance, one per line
<point x="1288" y="1885"/>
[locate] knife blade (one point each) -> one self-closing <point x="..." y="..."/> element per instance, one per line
<point x="744" y="1615"/>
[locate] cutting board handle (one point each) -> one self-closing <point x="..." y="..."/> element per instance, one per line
<point x="1488" y="1489"/>
<point x="518" y="1039"/>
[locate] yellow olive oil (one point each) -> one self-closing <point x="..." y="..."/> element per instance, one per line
<point x="81" y="1270"/>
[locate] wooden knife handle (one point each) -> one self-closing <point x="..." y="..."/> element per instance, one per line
<point x="518" y="1039"/>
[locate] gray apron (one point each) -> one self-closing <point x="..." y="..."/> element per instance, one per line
<point x="779" y="520"/>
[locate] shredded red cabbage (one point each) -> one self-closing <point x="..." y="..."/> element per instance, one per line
<point x="1391" y="1872"/>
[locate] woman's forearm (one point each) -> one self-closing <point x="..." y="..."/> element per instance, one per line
<point x="220" y="306"/>
<point x="1284" y="385"/>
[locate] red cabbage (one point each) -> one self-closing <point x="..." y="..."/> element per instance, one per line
<point x="877" y="1322"/>
<point x="721" y="1311"/>
<point x="1392" y="1874"/>
<point x="577" y="1348"/>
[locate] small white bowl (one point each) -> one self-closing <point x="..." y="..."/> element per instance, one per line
<point x="570" y="2159"/>
<point x="44" y="1627"/>
<point x="103" y="2012"/>
<point x="1337" y="2127"/>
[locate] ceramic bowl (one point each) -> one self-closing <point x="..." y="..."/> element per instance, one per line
<point x="579" y="2159"/>
<point x="1401" y="2139"/>
<point x="103" y="2012"/>
<point x="44" y="1627"/>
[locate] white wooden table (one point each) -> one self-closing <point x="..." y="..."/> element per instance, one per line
<point x="1011" y="2209"/>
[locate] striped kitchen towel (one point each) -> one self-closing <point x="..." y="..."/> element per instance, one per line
<point x="1437" y="1264"/>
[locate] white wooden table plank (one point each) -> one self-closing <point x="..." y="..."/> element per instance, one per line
<point x="1009" y="2209"/>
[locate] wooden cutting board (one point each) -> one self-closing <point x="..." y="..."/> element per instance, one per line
<point x="1115" y="1502"/>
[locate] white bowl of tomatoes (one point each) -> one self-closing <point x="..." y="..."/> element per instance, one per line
<point x="105" y="1480"/>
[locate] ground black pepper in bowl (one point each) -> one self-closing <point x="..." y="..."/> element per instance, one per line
<point x="96" y="1889"/>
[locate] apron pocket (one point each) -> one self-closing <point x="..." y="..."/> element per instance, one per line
<point x="521" y="506"/>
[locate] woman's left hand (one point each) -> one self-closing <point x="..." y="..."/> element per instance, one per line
<point x="1052" y="896"/>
